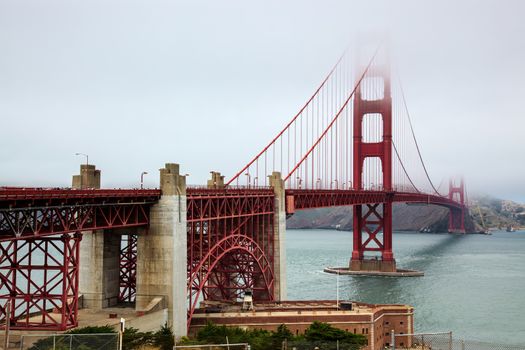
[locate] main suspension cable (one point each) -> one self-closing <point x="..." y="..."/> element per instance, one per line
<point x="414" y="136"/>
<point x="403" y="167"/>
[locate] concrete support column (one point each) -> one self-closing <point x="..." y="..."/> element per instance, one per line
<point x="99" y="254"/>
<point x="162" y="252"/>
<point x="99" y="269"/>
<point x="279" y="231"/>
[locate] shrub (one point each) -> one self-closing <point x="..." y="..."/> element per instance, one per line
<point x="62" y="341"/>
<point x="164" y="338"/>
<point x="319" y="331"/>
<point x="132" y="339"/>
<point x="318" y="334"/>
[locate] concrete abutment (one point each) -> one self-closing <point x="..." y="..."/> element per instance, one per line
<point x="279" y="231"/>
<point x="162" y="253"/>
<point x="99" y="282"/>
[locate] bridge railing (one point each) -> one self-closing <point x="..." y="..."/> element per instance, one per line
<point x="24" y="193"/>
<point x="229" y="187"/>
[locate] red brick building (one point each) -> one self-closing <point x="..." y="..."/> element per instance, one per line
<point x="375" y="321"/>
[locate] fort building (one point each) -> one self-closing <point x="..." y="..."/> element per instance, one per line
<point x="374" y="321"/>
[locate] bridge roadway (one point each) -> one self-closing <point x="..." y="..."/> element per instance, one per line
<point x="37" y="212"/>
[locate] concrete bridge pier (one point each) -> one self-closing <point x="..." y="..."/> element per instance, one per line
<point x="99" y="254"/>
<point x="99" y="282"/>
<point x="161" y="257"/>
<point x="279" y="231"/>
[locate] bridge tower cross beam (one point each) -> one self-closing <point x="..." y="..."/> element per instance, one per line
<point x="364" y="107"/>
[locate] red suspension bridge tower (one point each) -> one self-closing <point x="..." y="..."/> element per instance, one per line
<point x="373" y="218"/>
<point x="456" y="223"/>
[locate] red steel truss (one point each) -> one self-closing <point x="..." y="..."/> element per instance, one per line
<point x="39" y="243"/>
<point x="26" y="213"/>
<point x="39" y="279"/>
<point x="230" y="244"/>
<point x="30" y="222"/>
<point x="128" y="268"/>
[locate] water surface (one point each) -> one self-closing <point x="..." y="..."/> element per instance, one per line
<point x="474" y="285"/>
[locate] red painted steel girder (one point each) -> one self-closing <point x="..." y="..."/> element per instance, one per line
<point x="27" y="222"/>
<point x="11" y="197"/>
<point x="234" y="244"/>
<point x="230" y="244"/>
<point x="221" y="204"/>
<point x="39" y="278"/>
<point x="128" y="268"/>
<point x="423" y="198"/>
<point x="308" y="199"/>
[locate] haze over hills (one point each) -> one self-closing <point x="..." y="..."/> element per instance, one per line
<point x="496" y="213"/>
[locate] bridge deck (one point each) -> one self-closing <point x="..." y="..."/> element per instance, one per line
<point x="10" y="195"/>
<point x="299" y="199"/>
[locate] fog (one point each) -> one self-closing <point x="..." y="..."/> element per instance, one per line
<point x="136" y="84"/>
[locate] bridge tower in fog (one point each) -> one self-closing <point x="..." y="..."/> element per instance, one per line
<point x="373" y="218"/>
<point x="456" y="222"/>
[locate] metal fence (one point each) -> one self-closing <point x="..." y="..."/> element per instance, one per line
<point x="239" y="346"/>
<point x="285" y="345"/>
<point x="106" y="341"/>
<point x="321" y="345"/>
<point x="477" y="345"/>
<point x="444" y="341"/>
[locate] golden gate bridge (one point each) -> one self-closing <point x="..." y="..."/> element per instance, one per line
<point x="351" y="144"/>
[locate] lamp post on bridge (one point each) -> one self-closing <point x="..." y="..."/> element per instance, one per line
<point x="255" y="181"/>
<point x="318" y="183"/>
<point x="249" y="179"/>
<point x="298" y="178"/>
<point x="142" y="179"/>
<point x="85" y="155"/>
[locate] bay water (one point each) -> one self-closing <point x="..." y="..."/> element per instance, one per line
<point x="474" y="285"/>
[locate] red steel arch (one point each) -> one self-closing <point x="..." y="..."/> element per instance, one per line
<point x="201" y="274"/>
<point x="230" y="235"/>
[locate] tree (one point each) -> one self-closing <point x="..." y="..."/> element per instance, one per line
<point x="319" y="331"/>
<point x="133" y="339"/>
<point x="282" y="334"/>
<point x="164" y="338"/>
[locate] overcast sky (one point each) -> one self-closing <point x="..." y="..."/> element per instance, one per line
<point x="136" y="84"/>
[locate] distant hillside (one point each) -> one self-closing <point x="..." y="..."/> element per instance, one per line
<point x="496" y="213"/>
<point x="406" y="218"/>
